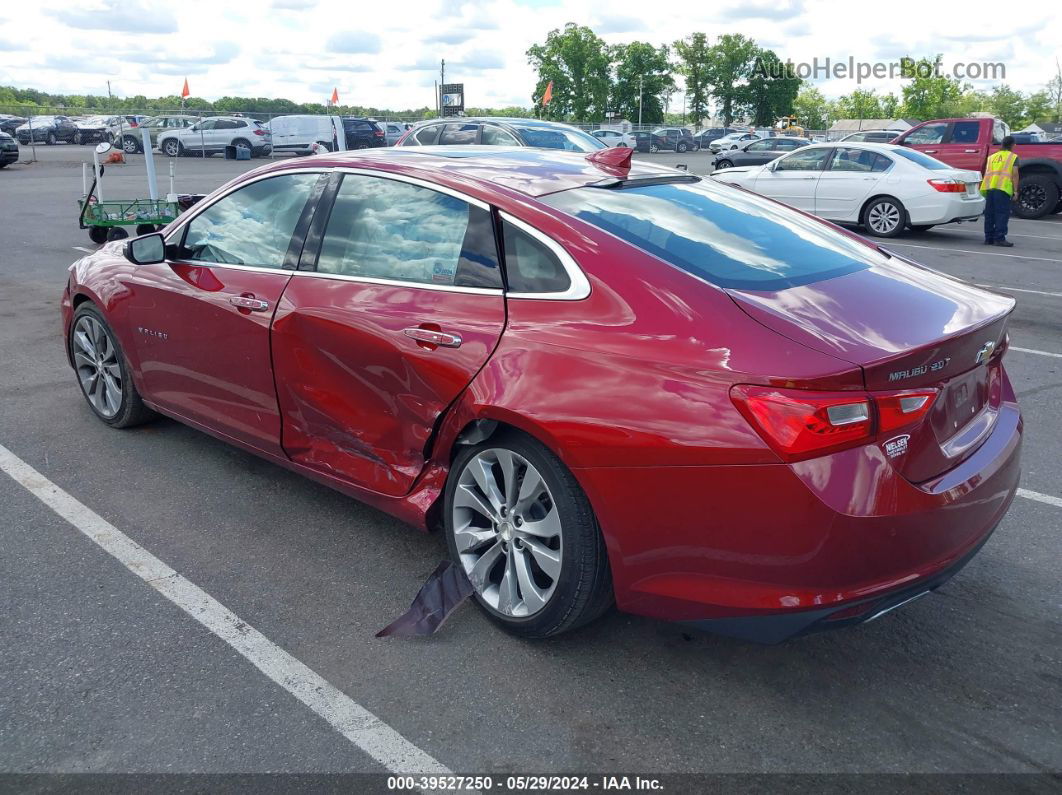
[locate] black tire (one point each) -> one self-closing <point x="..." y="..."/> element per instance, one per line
<point x="130" y="145"/>
<point x="117" y="233"/>
<point x="98" y="234"/>
<point x="145" y="229"/>
<point x="887" y="205"/>
<point x="78" y="139"/>
<point x="1037" y="196"/>
<point x="362" y="146"/>
<point x="1058" y="208"/>
<point x="681" y="147"/>
<point x="583" y="590"/>
<point x="171" y="147"/>
<point x="50" y="140"/>
<point x="132" y="410"/>
<point x="921" y="227"/>
<point x="109" y="138"/>
<point x="245" y="144"/>
<point x="4" y="165"/>
<point x="724" y="164"/>
<point x="654" y="148"/>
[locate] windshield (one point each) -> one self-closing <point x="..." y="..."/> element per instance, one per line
<point x="559" y="138"/>
<point x="719" y="234"/>
<point x="923" y="160"/>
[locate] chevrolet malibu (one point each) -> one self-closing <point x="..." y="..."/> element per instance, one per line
<point x="604" y="382"/>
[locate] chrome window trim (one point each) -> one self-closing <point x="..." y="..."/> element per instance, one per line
<point x="579" y="285"/>
<point x="416" y="181"/>
<point x="446" y="288"/>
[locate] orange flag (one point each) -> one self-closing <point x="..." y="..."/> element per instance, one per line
<point x="547" y="95"/>
<point x="184" y="91"/>
<point x="335" y="96"/>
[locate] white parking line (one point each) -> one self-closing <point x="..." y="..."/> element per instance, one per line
<point x="1038" y="353"/>
<point x="1035" y="495"/>
<point x="346" y="716"/>
<point x="1009" y="234"/>
<point x="1017" y="289"/>
<point x="967" y="251"/>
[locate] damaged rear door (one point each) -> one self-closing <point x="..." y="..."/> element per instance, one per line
<point x="395" y="307"/>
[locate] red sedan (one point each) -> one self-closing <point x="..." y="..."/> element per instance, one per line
<point x="604" y="381"/>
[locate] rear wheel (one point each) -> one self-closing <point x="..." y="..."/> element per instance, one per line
<point x="77" y="138"/>
<point x="172" y="147"/>
<point x="244" y="143"/>
<point x="884" y="217"/>
<point x="130" y="145"/>
<point x="520" y="527"/>
<point x="102" y="371"/>
<point x="681" y="147"/>
<point x="51" y="139"/>
<point x="654" y="148"/>
<point x="724" y="164"/>
<point x="1037" y="196"/>
<point x="98" y="234"/>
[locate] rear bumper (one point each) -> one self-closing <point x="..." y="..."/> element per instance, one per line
<point x="954" y="207"/>
<point x="774" y="550"/>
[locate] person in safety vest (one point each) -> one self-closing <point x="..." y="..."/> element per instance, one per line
<point x="999" y="186"/>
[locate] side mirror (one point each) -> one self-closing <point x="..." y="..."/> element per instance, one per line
<point x="146" y="250"/>
<point x="102" y="148"/>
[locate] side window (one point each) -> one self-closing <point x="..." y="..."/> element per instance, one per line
<point x="496" y="136"/>
<point x="999" y="131"/>
<point x="530" y="266"/>
<point x="759" y="146"/>
<point x="225" y="124"/>
<point x="965" y="132"/>
<point x="428" y="136"/>
<point x="929" y="134"/>
<point x="847" y="159"/>
<point x="384" y="229"/>
<point x="459" y="134"/>
<point x="207" y="124"/>
<point x="806" y="160"/>
<point x="252" y="226"/>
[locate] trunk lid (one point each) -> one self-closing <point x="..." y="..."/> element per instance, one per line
<point x="907" y="328"/>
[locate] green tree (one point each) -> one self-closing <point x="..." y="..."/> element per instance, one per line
<point x="1007" y="104"/>
<point x="1038" y="107"/>
<point x="860" y="104"/>
<point x="890" y="106"/>
<point x="641" y="67"/>
<point x="692" y="53"/>
<point x="730" y="63"/>
<point x="1054" y="92"/>
<point x="812" y="109"/>
<point x="576" y="61"/>
<point x="929" y="95"/>
<point x="772" y="89"/>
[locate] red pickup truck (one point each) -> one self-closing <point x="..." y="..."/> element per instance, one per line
<point x="967" y="143"/>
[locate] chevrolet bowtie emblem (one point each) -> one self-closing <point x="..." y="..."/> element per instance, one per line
<point x="985" y="353"/>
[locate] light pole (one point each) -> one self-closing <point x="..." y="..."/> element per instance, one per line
<point x="641" y="80"/>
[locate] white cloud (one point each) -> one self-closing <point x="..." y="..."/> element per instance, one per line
<point x="387" y="55"/>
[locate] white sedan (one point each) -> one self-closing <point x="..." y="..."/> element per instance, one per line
<point x="614" y="138"/>
<point x="885" y="188"/>
<point x="733" y="141"/>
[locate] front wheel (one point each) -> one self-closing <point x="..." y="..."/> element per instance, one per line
<point x="724" y="164"/>
<point x="51" y="139"/>
<point x="884" y="217"/>
<point x="130" y="145"/>
<point x="102" y="371"/>
<point x="654" y="148"/>
<point x="681" y="147"/>
<point x="521" y="528"/>
<point x="78" y="139"/>
<point x="171" y="147"/>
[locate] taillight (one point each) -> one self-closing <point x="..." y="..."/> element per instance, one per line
<point x="800" y="424"/>
<point x="948" y="185"/>
<point x="259" y="132"/>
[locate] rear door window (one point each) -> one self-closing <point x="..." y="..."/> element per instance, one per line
<point x="496" y="136"/>
<point x="718" y="234"/>
<point x="965" y="132"/>
<point x="426" y="136"/>
<point x="385" y="229"/>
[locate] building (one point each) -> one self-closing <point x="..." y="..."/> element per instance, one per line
<point x="843" y="127"/>
<point x="1048" y="128"/>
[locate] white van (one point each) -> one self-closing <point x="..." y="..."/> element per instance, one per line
<point x="305" y="135"/>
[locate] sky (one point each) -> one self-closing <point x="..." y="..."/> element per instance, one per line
<point x="386" y="55"/>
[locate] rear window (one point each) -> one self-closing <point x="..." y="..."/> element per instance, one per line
<point x="923" y="160"/>
<point x="559" y="138"/>
<point x="719" y="234"/>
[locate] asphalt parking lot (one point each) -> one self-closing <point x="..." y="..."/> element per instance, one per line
<point x="101" y="673"/>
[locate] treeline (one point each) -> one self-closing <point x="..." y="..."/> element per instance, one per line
<point x="637" y="80"/>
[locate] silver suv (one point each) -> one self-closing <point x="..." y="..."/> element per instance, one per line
<point x="211" y="136"/>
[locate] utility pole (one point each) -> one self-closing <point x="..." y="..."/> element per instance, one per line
<point x="109" y="90"/>
<point x="442" y="73"/>
<point x="641" y="80"/>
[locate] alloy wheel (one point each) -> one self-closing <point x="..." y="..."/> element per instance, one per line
<point x="883" y="217"/>
<point x="98" y="370"/>
<point x="507" y="530"/>
<point x="1032" y="197"/>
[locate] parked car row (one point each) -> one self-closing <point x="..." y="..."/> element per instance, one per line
<point x="501" y="132"/>
<point x="8" y="150"/>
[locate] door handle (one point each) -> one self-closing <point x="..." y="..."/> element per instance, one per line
<point x="431" y="337"/>
<point x="930" y="151"/>
<point x="249" y="302"/>
<point x="969" y="151"/>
